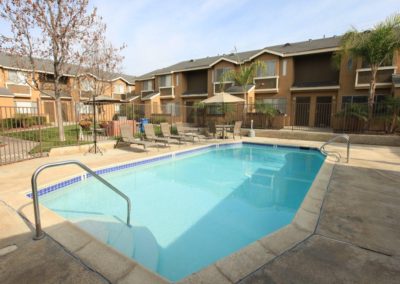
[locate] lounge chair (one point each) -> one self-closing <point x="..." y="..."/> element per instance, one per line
<point x="127" y="137"/>
<point x="191" y="135"/>
<point x="151" y="135"/>
<point x="237" y="129"/>
<point x="166" y="132"/>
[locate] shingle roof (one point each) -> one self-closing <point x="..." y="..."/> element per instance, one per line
<point x="238" y="89"/>
<point x="283" y="49"/>
<point x="149" y="96"/>
<point x="44" y="65"/>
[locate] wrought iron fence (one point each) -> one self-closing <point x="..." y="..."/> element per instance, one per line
<point x="29" y="132"/>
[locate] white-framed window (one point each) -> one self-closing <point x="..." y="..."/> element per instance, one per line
<point x="117" y="108"/>
<point x="147" y="85"/>
<point x="284" y="67"/>
<point x="25" y="107"/>
<point x="85" y="109"/>
<point x="165" y="81"/>
<point x="17" y="77"/>
<point x="87" y="85"/>
<point x="118" y="89"/>
<point x="171" y="108"/>
<point x="268" y="70"/>
<point x="219" y="72"/>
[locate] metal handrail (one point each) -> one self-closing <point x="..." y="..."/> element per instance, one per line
<point x="345" y="137"/>
<point x="39" y="232"/>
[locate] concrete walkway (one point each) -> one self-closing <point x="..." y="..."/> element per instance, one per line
<point x="357" y="239"/>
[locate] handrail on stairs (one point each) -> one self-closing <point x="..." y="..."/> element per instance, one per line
<point x="38" y="227"/>
<point x="341" y="136"/>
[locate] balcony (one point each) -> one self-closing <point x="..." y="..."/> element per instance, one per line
<point x="218" y="87"/>
<point x="267" y="84"/>
<point x="19" y="90"/>
<point x="167" y="92"/>
<point x="383" y="77"/>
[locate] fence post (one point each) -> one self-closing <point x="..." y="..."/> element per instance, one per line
<point x="40" y="128"/>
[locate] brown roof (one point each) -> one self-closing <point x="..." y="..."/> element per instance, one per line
<point x="45" y="65"/>
<point x="284" y="49"/>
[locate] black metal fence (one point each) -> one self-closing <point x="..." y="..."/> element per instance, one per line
<point x="29" y="132"/>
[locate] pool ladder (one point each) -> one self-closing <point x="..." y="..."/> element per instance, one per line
<point x="336" y="154"/>
<point x="38" y="227"/>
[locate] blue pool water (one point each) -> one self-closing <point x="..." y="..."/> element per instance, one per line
<point x="190" y="211"/>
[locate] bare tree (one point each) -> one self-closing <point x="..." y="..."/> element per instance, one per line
<point x="52" y="30"/>
<point x="100" y="61"/>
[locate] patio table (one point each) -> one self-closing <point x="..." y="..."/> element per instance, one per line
<point x="224" y="127"/>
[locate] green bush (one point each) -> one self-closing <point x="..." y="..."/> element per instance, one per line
<point x="23" y="121"/>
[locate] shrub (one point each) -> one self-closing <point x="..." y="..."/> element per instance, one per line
<point x="85" y="124"/>
<point x="23" y="121"/>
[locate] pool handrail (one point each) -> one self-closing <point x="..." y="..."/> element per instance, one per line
<point x="38" y="227"/>
<point x="343" y="136"/>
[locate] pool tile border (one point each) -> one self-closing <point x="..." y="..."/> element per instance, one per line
<point x="229" y="269"/>
<point x="145" y="161"/>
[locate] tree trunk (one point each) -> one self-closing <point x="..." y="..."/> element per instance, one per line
<point x="371" y="98"/>
<point x="61" y="134"/>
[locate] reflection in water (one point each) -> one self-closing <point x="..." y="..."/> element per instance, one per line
<point x="192" y="211"/>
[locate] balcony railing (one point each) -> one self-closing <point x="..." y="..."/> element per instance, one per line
<point x="268" y="84"/>
<point x="167" y="92"/>
<point x="383" y="77"/>
<point x="218" y="86"/>
<point x="19" y="90"/>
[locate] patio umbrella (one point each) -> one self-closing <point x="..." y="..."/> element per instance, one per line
<point x="223" y="98"/>
<point x="98" y="100"/>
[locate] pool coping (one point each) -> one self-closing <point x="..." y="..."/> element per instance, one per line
<point x="119" y="268"/>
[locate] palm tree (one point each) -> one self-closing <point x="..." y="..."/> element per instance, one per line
<point x="376" y="47"/>
<point x="243" y="77"/>
<point x="268" y="110"/>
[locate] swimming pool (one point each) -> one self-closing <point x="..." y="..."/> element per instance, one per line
<point x="191" y="210"/>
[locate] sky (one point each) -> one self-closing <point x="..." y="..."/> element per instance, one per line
<point x="159" y="33"/>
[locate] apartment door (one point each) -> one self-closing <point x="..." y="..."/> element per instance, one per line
<point x="190" y="112"/>
<point x="49" y="110"/>
<point x="302" y="115"/>
<point x="323" y="111"/>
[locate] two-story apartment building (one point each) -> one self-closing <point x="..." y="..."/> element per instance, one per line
<point x="17" y="96"/>
<point x="300" y="79"/>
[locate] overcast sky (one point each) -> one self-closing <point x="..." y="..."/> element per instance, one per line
<point x="159" y="33"/>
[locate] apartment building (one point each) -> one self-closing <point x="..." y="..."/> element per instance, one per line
<point x="18" y="97"/>
<point x="300" y="78"/>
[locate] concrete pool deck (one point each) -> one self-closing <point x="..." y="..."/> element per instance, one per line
<point x="357" y="237"/>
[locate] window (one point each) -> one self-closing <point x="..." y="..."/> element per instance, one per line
<point x="147" y="85"/>
<point x="220" y="72"/>
<point x="17" y="77"/>
<point x="284" y="67"/>
<point x="354" y="99"/>
<point x="87" y="85"/>
<point x="117" y="108"/>
<point x="165" y="81"/>
<point x="268" y="70"/>
<point x="85" y="109"/>
<point x="177" y="79"/>
<point x="26" y="107"/>
<point x="279" y="104"/>
<point x="171" y="108"/>
<point x="119" y="89"/>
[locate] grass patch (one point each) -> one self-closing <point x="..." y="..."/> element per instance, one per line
<point x="50" y="137"/>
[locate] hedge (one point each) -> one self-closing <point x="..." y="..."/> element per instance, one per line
<point x="23" y="121"/>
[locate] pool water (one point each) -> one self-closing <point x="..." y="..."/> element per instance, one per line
<point x="191" y="211"/>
